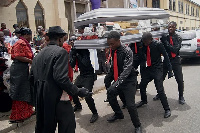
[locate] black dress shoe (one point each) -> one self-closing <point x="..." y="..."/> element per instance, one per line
<point x="123" y="106"/>
<point x="156" y="98"/>
<point x="115" y="117"/>
<point x="138" y="130"/>
<point x="167" y="113"/>
<point x="181" y="100"/>
<point x="15" y="121"/>
<point x="94" y="118"/>
<point x="77" y="108"/>
<point x="139" y="104"/>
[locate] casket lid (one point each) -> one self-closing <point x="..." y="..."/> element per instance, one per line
<point x="120" y="14"/>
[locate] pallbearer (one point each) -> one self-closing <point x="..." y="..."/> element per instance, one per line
<point x="125" y="79"/>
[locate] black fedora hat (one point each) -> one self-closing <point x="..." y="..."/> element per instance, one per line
<point x="17" y="31"/>
<point x="56" y="30"/>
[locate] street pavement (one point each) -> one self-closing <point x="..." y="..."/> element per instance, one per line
<point x="184" y="119"/>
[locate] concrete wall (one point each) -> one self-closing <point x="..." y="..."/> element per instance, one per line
<point x="54" y="13"/>
<point x="115" y="3"/>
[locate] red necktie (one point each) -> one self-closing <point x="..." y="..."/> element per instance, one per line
<point x="115" y="67"/>
<point x="76" y="67"/>
<point x="135" y="48"/>
<point x="109" y="56"/>
<point x="148" y="56"/>
<point x="171" y="42"/>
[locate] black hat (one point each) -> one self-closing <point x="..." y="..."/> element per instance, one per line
<point x="25" y="31"/>
<point x="56" y="30"/>
<point x="17" y="31"/>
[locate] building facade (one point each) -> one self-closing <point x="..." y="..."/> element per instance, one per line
<point x="32" y="13"/>
<point x="184" y="12"/>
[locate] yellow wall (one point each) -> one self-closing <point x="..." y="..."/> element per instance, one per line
<point x="54" y="13"/>
<point x="187" y="20"/>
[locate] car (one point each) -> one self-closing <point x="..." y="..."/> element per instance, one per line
<point x="198" y="43"/>
<point x="190" y="46"/>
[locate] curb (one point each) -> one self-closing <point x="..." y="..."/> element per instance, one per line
<point x="4" y="119"/>
<point x="6" y="127"/>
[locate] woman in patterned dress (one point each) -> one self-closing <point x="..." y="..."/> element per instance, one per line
<point x="20" y="91"/>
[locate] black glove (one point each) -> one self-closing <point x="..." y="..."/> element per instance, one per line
<point x="170" y="74"/>
<point x="83" y="92"/>
<point x="112" y="90"/>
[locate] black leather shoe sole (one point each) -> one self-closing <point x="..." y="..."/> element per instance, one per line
<point x="114" y="118"/>
<point x="94" y="118"/>
<point x="15" y="121"/>
<point x="167" y="114"/>
<point x="139" y="104"/>
<point x="77" y="108"/>
<point x="156" y="98"/>
<point x="181" y="102"/>
<point x="138" y="130"/>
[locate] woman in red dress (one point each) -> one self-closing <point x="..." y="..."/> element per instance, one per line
<point x="20" y="91"/>
<point x="67" y="47"/>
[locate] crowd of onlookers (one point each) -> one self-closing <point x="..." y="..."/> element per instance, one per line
<point x="8" y="39"/>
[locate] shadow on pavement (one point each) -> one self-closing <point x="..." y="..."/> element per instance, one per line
<point x="153" y="112"/>
<point x="150" y="115"/>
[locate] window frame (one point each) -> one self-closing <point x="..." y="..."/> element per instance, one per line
<point x="22" y="15"/>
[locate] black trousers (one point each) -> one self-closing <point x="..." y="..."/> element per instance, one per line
<point x="129" y="90"/>
<point x="155" y="74"/>
<point x="177" y="69"/>
<point x="86" y="81"/>
<point x="102" y="66"/>
<point x="65" y="117"/>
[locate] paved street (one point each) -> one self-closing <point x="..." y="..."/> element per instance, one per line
<point x="184" y="119"/>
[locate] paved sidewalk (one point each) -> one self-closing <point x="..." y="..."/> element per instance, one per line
<point x="4" y="117"/>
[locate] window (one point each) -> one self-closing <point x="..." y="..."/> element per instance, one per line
<point x="180" y="6"/>
<point x="188" y="10"/>
<point x="39" y="16"/>
<point x="185" y="8"/>
<point x="156" y="3"/>
<point x="174" y="5"/>
<point x="170" y="4"/>
<point x="197" y="12"/>
<point x="192" y="11"/>
<point x="21" y="13"/>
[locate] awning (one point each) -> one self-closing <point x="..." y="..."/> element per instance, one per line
<point x="120" y="14"/>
